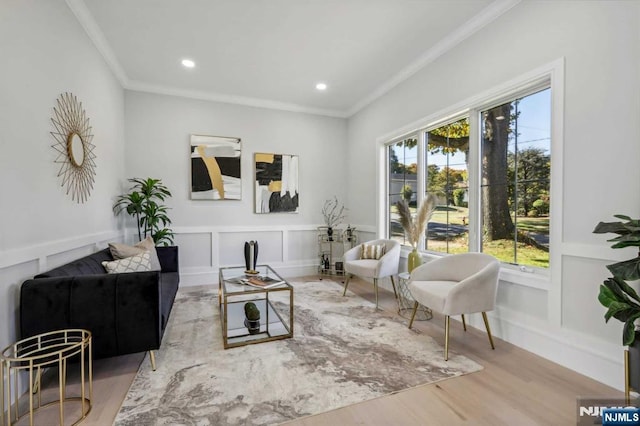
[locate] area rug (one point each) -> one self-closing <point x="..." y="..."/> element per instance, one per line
<point x="343" y="352"/>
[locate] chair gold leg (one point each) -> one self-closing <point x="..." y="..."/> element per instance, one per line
<point x="152" y="357"/>
<point x="413" y="315"/>
<point x="486" y="325"/>
<point x="464" y="324"/>
<point x="375" y="285"/>
<point x="446" y="338"/>
<point x="627" y="387"/>
<point x="346" y="283"/>
<point x="394" y="287"/>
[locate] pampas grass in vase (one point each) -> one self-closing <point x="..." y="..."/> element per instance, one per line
<point x="415" y="227"/>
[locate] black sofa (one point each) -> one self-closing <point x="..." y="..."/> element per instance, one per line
<point x="125" y="313"/>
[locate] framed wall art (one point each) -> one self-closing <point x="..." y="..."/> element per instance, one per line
<point x="276" y="183"/>
<point x="215" y="168"/>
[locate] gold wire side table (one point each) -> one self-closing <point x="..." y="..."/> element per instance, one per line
<point x="406" y="301"/>
<point x="31" y="356"/>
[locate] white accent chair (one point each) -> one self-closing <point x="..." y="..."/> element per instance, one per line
<point x="457" y="284"/>
<point x="386" y="266"/>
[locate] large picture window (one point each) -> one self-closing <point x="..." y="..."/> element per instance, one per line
<point x="490" y="170"/>
<point x="516" y="176"/>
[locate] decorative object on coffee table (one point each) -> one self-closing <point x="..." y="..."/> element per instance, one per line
<point x="215" y="168"/>
<point x="250" y="256"/>
<point x="252" y="318"/>
<point x="73" y="143"/>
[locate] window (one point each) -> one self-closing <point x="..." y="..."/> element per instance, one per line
<point x="516" y="171"/>
<point x="447" y="178"/>
<point x="490" y="170"/>
<point x="402" y="182"/>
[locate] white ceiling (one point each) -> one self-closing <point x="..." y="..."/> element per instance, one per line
<point x="271" y="53"/>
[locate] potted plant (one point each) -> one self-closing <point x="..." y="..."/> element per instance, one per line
<point x="333" y="214"/>
<point x="252" y="318"/>
<point x="620" y="299"/>
<point x="414" y="228"/>
<point x="145" y="203"/>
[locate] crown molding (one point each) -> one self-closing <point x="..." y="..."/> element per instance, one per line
<point x="139" y="86"/>
<point x="96" y="35"/>
<point x="488" y="14"/>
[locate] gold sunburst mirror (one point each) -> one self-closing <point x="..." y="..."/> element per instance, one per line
<point x="73" y="143"/>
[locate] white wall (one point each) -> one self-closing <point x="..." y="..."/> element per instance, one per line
<point x="212" y="233"/>
<point x="45" y="53"/>
<point x="600" y="44"/>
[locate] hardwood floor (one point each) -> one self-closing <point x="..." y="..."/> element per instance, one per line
<point x="515" y="387"/>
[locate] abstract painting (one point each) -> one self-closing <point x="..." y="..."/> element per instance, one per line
<point x="276" y="183"/>
<point x="215" y="168"/>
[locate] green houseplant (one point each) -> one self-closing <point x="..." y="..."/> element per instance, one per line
<point x="145" y="202"/>
<point x="620" y="299"/>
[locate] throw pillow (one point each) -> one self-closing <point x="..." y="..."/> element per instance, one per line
<point x="138" y="263"/>
<point x="372" y="251"/>
<point x="122" y="251"/>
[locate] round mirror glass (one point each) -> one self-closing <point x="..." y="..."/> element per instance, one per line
<point x="75" y="147"/>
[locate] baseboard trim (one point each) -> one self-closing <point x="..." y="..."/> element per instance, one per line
<point x="586" y="355"/>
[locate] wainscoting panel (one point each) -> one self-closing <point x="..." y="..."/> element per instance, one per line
<point x="302" y="245"/>
<point x="195" y="249"/>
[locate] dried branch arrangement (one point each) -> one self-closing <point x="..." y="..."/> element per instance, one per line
<point x="333" y="212"/>
<point x="414" y="228"/>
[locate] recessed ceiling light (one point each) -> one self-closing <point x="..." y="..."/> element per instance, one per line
<point x="188" y="63"/>
<point x="321" y="86"/>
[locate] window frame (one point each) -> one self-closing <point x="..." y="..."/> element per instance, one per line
<point x="547" y="76"/>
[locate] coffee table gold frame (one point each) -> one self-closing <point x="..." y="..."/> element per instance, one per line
<point x="34" y="354"/>
<point x="234" y="293"/>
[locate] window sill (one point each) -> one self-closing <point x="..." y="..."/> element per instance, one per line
<point x="534" y="278"/>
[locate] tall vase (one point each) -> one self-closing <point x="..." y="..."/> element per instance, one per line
<point x="414" y="260"/>
<point x="250" y="255"/>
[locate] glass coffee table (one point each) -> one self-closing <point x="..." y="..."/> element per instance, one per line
<point x="275" y="303"/>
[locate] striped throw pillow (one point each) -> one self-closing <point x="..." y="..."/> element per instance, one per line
<point x="372" y="251"/>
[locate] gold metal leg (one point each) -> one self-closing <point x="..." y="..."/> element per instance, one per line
<point x="346" y="283"/>
<point x="394" y="287"/>
<point x="152" y="357"/>
<point x="375" y="286"/>
<point x="61" y="389"/>
<point x="627" y="387"/>
<point x="464" y="324"/>
<point x="486" y="325"/>
<point x="1" y="392"/>
<point x="446" y="338"/>
<point x="413" y="315"/>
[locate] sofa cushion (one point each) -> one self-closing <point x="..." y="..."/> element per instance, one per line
<point x="91" y="264"/>
<point x="138" y="263"/>
<point x="122" y="251"/>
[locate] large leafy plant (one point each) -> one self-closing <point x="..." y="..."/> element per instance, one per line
<point x="620" y="299"/>
<point x="145" y="202"/>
